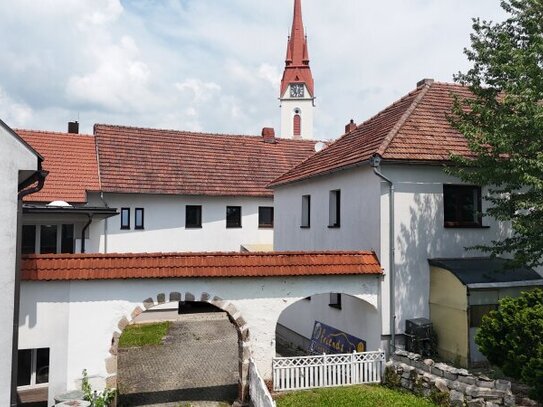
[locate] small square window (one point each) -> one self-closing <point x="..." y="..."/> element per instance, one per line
<point x="193" y="216"/>
<point x="462" y="206"/>
<point x="334" y="209"/>
<point x="233" y="216"/>
<point x="125" y="218"/>
<point x="306" y="211"/>
<point x="477" y="312"/>
<point x="335" y="300"/>
<point x="139" y="218"/>
<point x="265" y="216"/>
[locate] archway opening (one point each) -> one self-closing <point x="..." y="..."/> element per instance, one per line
<point x="200" y="355"/>
<point x="327" y="323"/>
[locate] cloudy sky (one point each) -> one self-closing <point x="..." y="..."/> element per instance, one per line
<point x="215" y="65"/>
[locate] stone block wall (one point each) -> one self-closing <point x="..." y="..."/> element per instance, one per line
<point x="446" y="384"/>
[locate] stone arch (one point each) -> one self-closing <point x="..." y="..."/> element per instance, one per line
<point x="244" y="349"/>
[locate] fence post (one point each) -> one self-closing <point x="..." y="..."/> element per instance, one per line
<point x="325" y="370"/>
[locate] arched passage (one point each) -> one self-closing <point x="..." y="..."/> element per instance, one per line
<point x="233" y="315"/>
<point x="304" y="326"/>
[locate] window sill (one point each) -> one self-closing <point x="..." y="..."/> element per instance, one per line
<point x="233" y="227"/>
<point x="464" y="226"/>
<point x="193" y="227"/>
<point x="336" y="306"/>
<point x="265" y="227"/>
<point x="334" y="226"/>
<point x="125" y="228"/>
<point x="305" y="227"/>
<point x="139" y="228"/>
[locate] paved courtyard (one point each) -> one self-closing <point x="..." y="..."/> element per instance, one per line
<point x="198" y="361"/>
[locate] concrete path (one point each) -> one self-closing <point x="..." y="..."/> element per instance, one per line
<point x="198" y="361"/>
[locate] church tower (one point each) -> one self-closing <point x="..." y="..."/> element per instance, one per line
<point x="297" y="88"/>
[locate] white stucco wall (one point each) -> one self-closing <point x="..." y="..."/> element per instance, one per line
<point x="165" y="224"/>
<point x="14" y="157"/>
<point x="91" y="311"/>
<point x="419" y="230"/>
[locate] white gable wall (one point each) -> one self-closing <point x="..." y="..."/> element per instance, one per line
<point x="419" y="229"/>
<point x="14" y="157"/>
<point x="165" y="224"/>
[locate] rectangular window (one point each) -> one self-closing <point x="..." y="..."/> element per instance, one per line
<point x="306" y="211"/>
<point x="125" y="218"/>
<point x="265" y="216"/>
<point x="138" y="218"/>
<point x="334" y="209"/>
<point x="29" y="239"/>
<point x="48" y="239"/>
<point x="462" y="206"/>
<point x="193" y="216"/>
<point x="233" y="216"/>
<point x="32" y="367"/>
<point x="335" y="300"/>
<point x="476" y="313"/>
<point x="67" y="239"/>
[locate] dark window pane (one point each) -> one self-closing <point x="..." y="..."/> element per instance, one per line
<point x="476" y="313"/>
<point x="139" y="218"/>
<point x="29" y="239"/>
<point x="462" y="205"/>
<point x="193" y="216"/>
<point x="67" y="242"/>
<point x="334" y="209"/>
<point x="48" y="238"/>
<point x="265" y="216"/>
<point x="306" y="211"/>
<point x="24" y="367"/>
<point x="42" y="366"/>
<point x="233" y="216"/>
<point x="125" y="218"/>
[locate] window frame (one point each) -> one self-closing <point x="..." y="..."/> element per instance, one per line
<point x="449" y="189"/>
<point x="261" y="224"/>
<point x="238" y="225"/>
<point x="197" y="225"/>
<point x="136" y="226"/>
<point x="34" y="368"/>
<point x="306" y="212"/>
<point x="335" y="300"/>
<point x="125" y="226"/>
<point x="60" y="228"/>
<point x="334" y="209"/>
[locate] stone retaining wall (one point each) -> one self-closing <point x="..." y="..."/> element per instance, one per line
<point x="445" y="383"/>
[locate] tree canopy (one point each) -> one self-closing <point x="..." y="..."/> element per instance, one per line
<point x="503" y="123"/>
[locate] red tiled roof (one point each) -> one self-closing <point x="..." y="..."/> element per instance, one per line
<point x="142" y="160"/>
<point x="414" y="128"/>
<point x="71" y="162"/>
<point x="184" y="265"/>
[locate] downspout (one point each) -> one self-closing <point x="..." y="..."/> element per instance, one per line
<point x="83" y="232"/>
<point x="375" y="162"/>
<point x="39" y="177"/>
<point x="105" y="221"/>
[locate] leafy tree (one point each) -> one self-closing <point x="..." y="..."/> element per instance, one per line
<point x="512" y="338"/>
<point x="503" y="123"/>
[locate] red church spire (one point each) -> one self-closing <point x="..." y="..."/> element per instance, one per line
<point x="297" y="61"/>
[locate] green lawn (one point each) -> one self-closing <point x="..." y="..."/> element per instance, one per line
<point x="352" y="396"/>
<point x="144" y="334"/>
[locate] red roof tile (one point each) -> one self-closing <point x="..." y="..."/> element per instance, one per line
<point x="183" y="265"/>
<point x="414" y="128"/>
<point x="142" y="160"/>
<point x="71" y="162"/>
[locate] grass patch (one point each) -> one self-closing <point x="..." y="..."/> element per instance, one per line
<point x="352" y="396"/>
<point x="144" y="334"/>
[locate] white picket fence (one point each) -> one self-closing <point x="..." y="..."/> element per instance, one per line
<point x="306" y="372"/>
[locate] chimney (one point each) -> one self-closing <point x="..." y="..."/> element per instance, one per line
<point x="350" y="126"/>
<point x="425" y="81"/>
<point x="73" y="127"/>
<point x="268" y="135"/>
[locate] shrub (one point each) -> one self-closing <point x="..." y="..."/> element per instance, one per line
<point x="97" y="399"/>
<point x="512" y="338"/>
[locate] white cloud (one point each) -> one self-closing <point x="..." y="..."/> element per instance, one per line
<point x="199" y="90"/>
<point x="13" y="112"/>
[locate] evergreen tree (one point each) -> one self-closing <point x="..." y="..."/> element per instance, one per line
<point x="503" y="123"/>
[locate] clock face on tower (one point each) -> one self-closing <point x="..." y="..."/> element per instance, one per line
<point x="297" y="90"/>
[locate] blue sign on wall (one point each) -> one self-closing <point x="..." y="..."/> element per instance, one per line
<point x="327" y="339"/>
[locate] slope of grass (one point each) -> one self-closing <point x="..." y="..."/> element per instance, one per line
<point x="144" y="334"/>
<point x="352" y="396"/>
